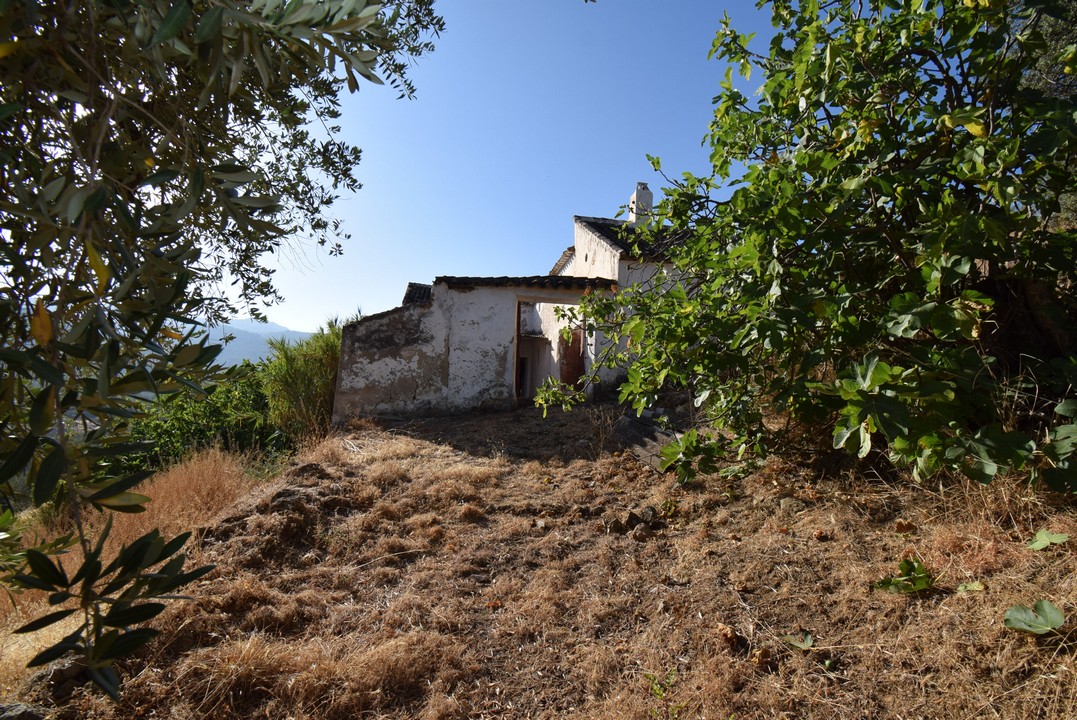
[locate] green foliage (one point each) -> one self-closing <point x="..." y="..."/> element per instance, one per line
<point x="1044" y="618"/>
<point x="147" y="570"/>
<point x="874" y="251"/>
<point x="148" y="152"/>
<point x="1045" y="538"/>
<point x="299" y="380"/>
<point x="14" y="549"/>
<point x="912" y="577"/>
<point x="661" y="690"/>
<point x="232" y="413"/>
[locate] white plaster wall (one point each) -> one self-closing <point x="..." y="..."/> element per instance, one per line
<point x="551" y="329"/>
<point x="530" y="319"/>
<point x="594" y="257"/>
<point x="481" y="345"/>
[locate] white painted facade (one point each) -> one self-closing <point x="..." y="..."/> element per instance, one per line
<point x="471" y="343"/>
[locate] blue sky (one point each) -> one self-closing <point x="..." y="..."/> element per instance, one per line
<point x="527" y="113"/>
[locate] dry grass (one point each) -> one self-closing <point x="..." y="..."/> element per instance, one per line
<point x="185" y="496"/>
<point x="461" y="568"/>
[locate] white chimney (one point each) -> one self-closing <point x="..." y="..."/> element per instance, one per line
<point x="641" y="204"/>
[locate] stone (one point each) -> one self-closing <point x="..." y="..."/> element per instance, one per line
<point x="18" y="711"/>
<point x="791" y="505"/>
<point x="60" y="678"/>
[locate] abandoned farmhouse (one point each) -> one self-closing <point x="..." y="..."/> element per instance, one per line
<point x="464" y="343"/>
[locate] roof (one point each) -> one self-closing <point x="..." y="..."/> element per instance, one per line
<point x="567" y="282"/>
<point x="563" y="260"/>
<point x="416" y="294"/>
<point x="622" y="236"/>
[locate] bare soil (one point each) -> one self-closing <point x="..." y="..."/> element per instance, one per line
<point x="477" y="567"/>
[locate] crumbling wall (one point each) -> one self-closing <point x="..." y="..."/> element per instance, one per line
<point x="393" y="362"/>
<point x="481" y="346"/>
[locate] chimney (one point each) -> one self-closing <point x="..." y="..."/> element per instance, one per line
<point x="639" y="207"/>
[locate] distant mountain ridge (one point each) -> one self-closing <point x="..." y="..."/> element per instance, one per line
<point x="251" y="339"/>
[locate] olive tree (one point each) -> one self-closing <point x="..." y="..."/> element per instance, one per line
<point x="151" y="151"/>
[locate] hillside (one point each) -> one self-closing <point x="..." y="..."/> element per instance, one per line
<point x="480" y="567"/>
<point x="250" y="339"/>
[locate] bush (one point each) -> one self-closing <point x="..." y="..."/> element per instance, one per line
<point x="233" y="415"/>
<point x="299" y="381"/>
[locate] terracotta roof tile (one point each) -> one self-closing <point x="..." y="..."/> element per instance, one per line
<point x="416" y="294"/>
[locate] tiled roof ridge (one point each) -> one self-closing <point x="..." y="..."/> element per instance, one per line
<point x="563" y="260"/>
<point x="417" y="294"/>
<point x="555" y="281"/>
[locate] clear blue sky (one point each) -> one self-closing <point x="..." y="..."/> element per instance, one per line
<point x="527" y="113"/>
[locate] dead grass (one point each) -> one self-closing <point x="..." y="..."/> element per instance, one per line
<point x="184" y="497"/>
<point x="462" y="568"/>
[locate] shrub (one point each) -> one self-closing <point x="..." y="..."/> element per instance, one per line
<point x="232" y="415"/>
<point x="299" y="380"/>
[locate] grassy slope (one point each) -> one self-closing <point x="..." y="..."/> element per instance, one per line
<point x="463" y="568"/>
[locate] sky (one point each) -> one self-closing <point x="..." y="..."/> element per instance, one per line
<point x="526" y="114"/>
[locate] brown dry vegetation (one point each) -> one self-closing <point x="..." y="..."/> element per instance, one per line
<point x="462" y="568"/>
<point x="183" y="498"/>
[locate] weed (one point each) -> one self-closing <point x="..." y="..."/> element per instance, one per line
<point x="912" y="577"/>
<point x="802" y="640"/>
<point x="660" y="690"/>
<point x="1045" y="538"/>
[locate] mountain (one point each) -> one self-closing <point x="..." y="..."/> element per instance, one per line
<point x="251" y="339"/>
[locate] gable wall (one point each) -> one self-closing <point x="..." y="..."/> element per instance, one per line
<point x="594" y="257"/>
<point x="393" y="362"/>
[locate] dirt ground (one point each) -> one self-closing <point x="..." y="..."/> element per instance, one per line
<point x="488" y="566"/>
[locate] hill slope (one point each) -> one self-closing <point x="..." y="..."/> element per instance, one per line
<point x="478" y="567"/>
<point x="250" y="340"/>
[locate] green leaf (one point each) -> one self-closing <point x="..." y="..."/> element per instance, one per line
<point x="18" y="458"/>
<point x="912" y="577"/>
<point x="971" y="586"/>
<point x="41" y="411"/>
<point x="69" y="644"/>
<point x="126" y="643"/>
<point x="107" y="679"/>
<point x="1067" y="408"/>
<point x="44" y="569"/>
<point x="209" y="26"/>
<point x="1045" y="538"/>
<point x="128" y="502"/>
<point x="48" y="475"/>
<point x="173" y="22"/>
<point x="1041" y="619"/>
<point x="45" y="620"/>
<point x="120" y="616"/>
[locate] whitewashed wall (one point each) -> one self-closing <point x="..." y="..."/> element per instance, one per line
<point x="393" y="362"/>
<point x="482" y="346"/>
